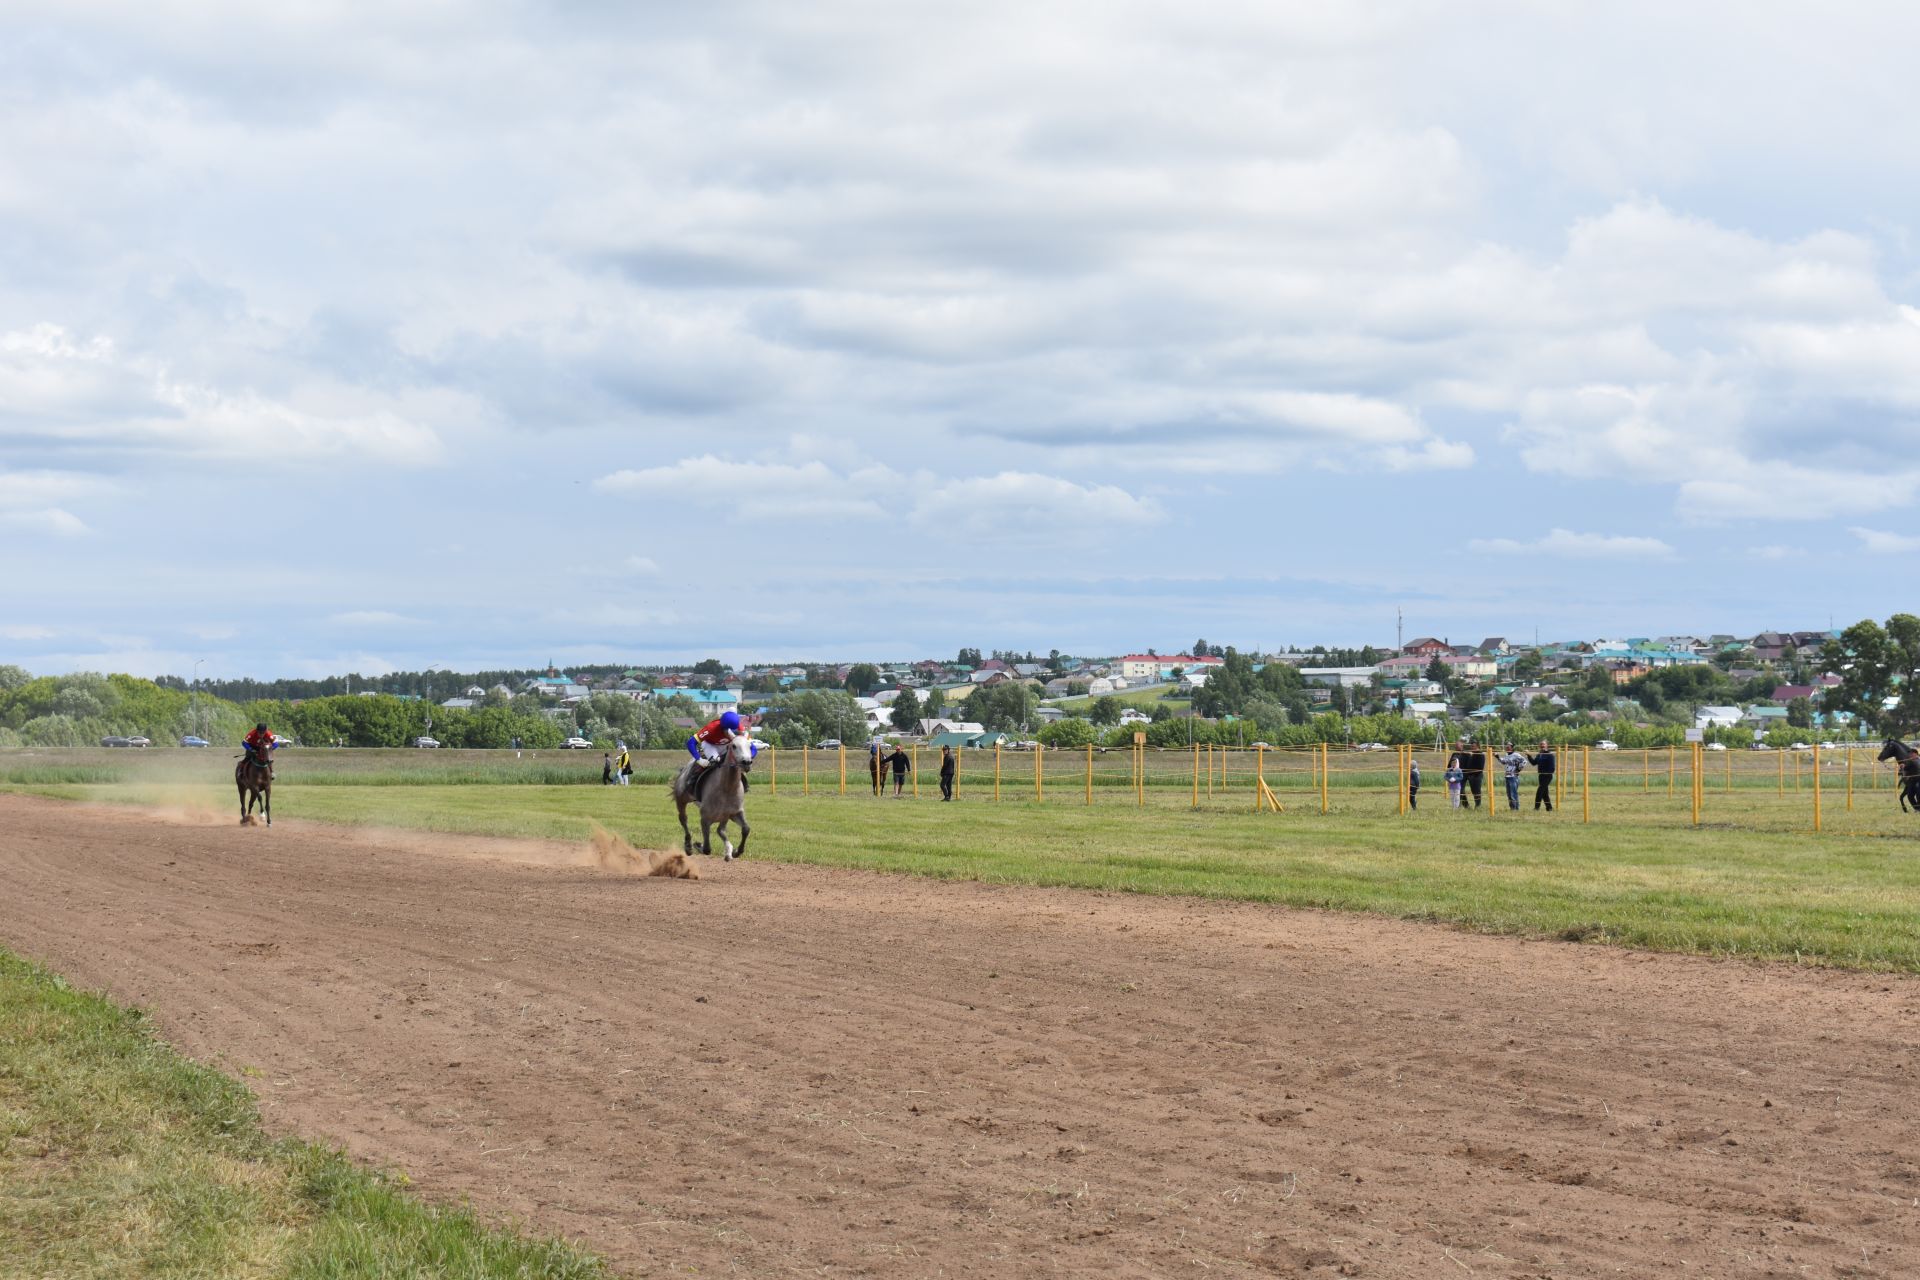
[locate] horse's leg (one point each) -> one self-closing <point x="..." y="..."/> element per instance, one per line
<point x="745" y="831"/>
<point x="266" y="801"/>
<point x="241" y="787"/>
<point x="706" y="832"/>
<point x="686" y="836"/>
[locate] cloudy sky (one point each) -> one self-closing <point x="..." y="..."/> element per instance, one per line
<point x="483" y="334"/>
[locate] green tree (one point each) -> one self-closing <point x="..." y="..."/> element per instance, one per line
<point x="1529" y="665"/>
<point x="1005" y="708"/>
<point x="935" y="703"/>
<point x="1068" y="733"/>
<point x="12" y="677"/>
<point x="710" y="667"/>
<point x="1800" y="713"/>
<point x="968" y="658"/>
<point x="1440" y="673"/>
<point x="862" y="678"/>
<point x="906" y="711"/>
<point x="1199" y="649"/>
<point x="1105" y="710"/>
<point x="1877" y="665"/>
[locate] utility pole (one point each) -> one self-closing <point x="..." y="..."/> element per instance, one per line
<point x="1399" y="629"/>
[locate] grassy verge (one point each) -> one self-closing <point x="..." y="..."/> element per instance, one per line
<point x="120" y="1159"/>
<point x="1645" y="877"/>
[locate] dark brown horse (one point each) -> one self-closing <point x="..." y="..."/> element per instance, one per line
<point x="254" y="781"/>
<point x="1909" y="764"/>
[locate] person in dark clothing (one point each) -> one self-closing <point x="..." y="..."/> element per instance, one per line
<point x="899" y="759"/>
<point x="1413" y="784"/>
<point x="1546" y="765"/>
<point x="1473" y="764"/>
<point x="874" y="765"/>
<point x="946" y="773"/>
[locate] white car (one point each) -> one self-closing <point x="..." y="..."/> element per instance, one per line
<point x="1607" y="744"/>
<point x="426" y="742"/>
<point x="1833" y="746"/>
<point x="576" y="743"/>
<point x="1800" y="746"/>
<point x="1716" y="746"/>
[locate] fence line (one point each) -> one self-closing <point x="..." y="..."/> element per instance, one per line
<point x="1742" y="788"/>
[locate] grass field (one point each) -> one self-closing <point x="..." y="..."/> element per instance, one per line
<point x="118" y="1158"/>
<point x="1641" y="874"/>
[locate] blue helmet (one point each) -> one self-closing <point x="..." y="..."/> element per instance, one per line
<point x="730" y="722"/>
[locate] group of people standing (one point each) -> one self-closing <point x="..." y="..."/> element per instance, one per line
<point x="879" y="761"/>
<point x="1467" y="771"/>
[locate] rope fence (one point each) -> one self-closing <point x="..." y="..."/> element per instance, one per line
<point x="1842" y="790"/>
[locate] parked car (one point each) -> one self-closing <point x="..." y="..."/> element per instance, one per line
<point x="1607" y="744"/>
<point x="424" y="741"/>
<point x="115" y="742"/>
<point x="827" y="744"/>
<point x="1371" y="746"/>
<point x="1716" y="746"/>
<point x="576" y="743"/>
<point x="191" y="741"/>
<point x="1833" y="746"/>
<point x="1761" y="746"/>
<point x="1261" y="746"/>
<point x="137" y="741"/>
<point x="1800" y="746"/>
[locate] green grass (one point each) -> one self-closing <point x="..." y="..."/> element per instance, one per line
<point x="120" y="1159"/>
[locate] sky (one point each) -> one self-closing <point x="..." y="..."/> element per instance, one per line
<point x="482" y="335"/>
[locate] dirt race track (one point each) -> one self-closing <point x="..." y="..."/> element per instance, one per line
<point x="783" y="1070"/>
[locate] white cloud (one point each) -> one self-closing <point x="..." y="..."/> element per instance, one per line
<point x="372" y="618"/>
<point x="1881" y="543"/>
<point x="19" y="631"/>
<point x="85" y="393"/>
<point x="1581" y="546"/>
<point x="758" y="490"/>
<point x="52" y="520"/>
<point x="1016" y="506"/>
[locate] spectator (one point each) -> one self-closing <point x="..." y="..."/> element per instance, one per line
<point x="1455" y="775"/>
<point x="947" y="765"/>
<point x="1473" y="764"/>
<point x="1547" y="766"/>
<point x="622" y="764"/>
<point x="606" y="768"/>
<point x="873" y="764"/>
<point x="1413" y="784"/>
<point x="1512" y="763"/>
<point x="899" y="770"/>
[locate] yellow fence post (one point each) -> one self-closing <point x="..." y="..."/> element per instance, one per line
<point x="1140" y="775"/>
<point x="1696" y="784"/>
<point x="843" y="768"/>
<point x="1196" y="775"/>
<point x="1729" y="772"/>
<point x="1586" y="784"/>
<point x="1400" y="777"/>
<point x="1323" y="777"/>
<point x="1089" y="773"/>
<point x="806" y="773"/>
<point x="1259" y="777"/>
<point x="1039" y="773"/>
<point x="1816" y="787"/>
<point x="773" y="767"/>
<point x="996" y="773"/>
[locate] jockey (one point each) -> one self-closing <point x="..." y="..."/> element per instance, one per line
<point x="258" y="744"/>
<point x="705" y="745"/>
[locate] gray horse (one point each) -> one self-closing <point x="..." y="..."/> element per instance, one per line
<point x="720" y="790"/>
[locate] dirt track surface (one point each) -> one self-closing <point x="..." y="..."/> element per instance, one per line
<point x="782" y="1070"/>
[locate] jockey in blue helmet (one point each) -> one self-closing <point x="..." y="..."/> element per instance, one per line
<point x="706" y="745"/>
